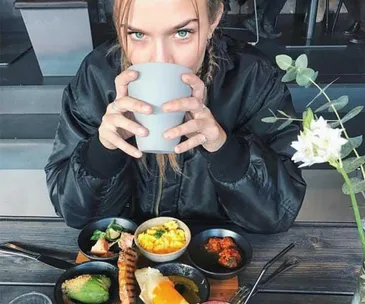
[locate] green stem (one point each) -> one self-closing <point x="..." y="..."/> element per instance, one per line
<point x="355" y="207"/>
<point x="339" y="119"/>
<point x="294" y="119"/>
<point x="283" y="118"/>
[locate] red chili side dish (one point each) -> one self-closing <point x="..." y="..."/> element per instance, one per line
<point x="228" y="253"/>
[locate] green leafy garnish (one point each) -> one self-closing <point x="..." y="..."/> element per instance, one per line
<point x="110" y="230"/>
<point x="110" y="224"/>
<point x="159" y="233"/>
<point x="97" y="235"/>
<point x="115" y="226"/>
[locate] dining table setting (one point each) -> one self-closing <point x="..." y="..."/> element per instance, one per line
<point x="168" y="260"/>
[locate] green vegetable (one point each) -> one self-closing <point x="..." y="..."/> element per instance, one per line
<point x="97" y="235"/>
<point x="88" y="289"/>
<point x="159" y="233"/>
<point x="115" y="226"/>
<point x="111" y="234"/>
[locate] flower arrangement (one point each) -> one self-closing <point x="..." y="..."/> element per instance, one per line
<point x="326" y="141"/>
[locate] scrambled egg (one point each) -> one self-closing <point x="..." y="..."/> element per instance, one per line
<point x="166" y="238"/>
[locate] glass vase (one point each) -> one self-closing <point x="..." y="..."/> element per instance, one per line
<point x="359" y="296"/>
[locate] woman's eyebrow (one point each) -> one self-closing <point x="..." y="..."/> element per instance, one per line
<point x="176" y="27"/>
<point x="185" y="23"/>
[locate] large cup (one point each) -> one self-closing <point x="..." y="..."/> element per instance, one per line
<point x="156" y="84"/>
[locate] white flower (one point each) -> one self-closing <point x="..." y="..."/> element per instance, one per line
<point x="305" y="150"/>
<point x="329" y="142"/>
<point x="318" y="144"/>
<point x="318" y="124"/>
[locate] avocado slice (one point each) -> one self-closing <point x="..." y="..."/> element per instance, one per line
<point x="88" y="289"/>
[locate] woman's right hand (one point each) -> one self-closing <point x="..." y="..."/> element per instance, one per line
<point x="118" y="123"/>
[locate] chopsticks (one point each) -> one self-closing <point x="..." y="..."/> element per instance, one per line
<point x="266" y="267"/>
<point x="242" y="293"/>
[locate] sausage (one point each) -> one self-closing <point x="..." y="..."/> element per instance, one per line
<point x="127" y="263"/>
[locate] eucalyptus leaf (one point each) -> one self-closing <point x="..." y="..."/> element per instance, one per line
<point x="269" y="119"/>
<point x="358" y="185"/>
<point x="323" y="107"/>
<point x="273" y="114"/>
<point x="339" y="103"/>
<point x="283" y="113"/>
<point x="314" y="78"/>
<point x="290" y="75"/>
<point x="284" y="62"/>
<point x="302" y="61"/>
<point x="351" y="164"/>
<point x="334" y="124"/>
<point x="352" y="113"/>
<point x="304" y="76"/>
<point x="352" y="143"/>
<point x="285" y="124"/>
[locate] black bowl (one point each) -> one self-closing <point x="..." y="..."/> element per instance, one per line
<point x="85" y="243"/>
<point x="93" y="267"/>
<point x="187" y="271"/>
<point x="207" y="262"/>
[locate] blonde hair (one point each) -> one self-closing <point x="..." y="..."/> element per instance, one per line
<point x="206" y="72"/>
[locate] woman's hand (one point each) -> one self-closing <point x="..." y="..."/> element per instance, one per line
<point x="118" y="123"/>
<point x="201" y="128"/>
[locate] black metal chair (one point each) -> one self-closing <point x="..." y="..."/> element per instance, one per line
<point x="340" y="3"/>
<point x="337" y="14"/>
<point x="244" y="29"/>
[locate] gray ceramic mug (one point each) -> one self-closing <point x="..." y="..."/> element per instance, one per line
<point x="156" y="84"/>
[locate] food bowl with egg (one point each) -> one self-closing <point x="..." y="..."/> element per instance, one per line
<point x="162" y="239"/>
<point x="188" y="281"/>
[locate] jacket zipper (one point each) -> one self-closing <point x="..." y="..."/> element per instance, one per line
<point x="159" y="195"/>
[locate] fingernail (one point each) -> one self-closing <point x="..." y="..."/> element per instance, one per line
<point x="131" y="73"/>
<point x="185" y="77"/>
<point x="167" y="108"/>
<point x="146" y="109"/>
<point x="142" y="132"/>
<point x="177" y="150"/>
<point x="167" y="136"/>
<point x="138" y="154"/>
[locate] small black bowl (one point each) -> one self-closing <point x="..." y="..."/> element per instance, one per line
<point x="85" y="243"/>
<point x="187" y="271"/>
<point x="207" y="262"/>
<point x="93" y="267"/>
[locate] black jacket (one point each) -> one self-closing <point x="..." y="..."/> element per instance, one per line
<point x="251" y="180"/>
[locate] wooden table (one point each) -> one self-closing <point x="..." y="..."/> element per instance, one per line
<point x="330" y="258"/>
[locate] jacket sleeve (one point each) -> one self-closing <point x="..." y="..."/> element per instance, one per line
<point x="78" y="192"/>
<point x="259" y="186"/>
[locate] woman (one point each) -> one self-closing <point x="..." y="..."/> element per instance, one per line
<point x="229" y="165"/>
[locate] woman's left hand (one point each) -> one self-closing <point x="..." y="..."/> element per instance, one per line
<point x="201" y="128"/>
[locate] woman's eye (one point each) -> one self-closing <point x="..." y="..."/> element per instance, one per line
<point x="136" y="35"/>
<point x="183" y="34"/>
